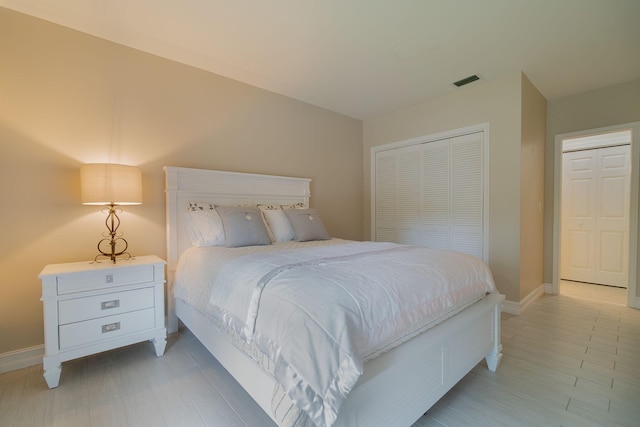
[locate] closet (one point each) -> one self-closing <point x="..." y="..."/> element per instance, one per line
<point x="595" y="210"/>
<point x="432" y="192"/>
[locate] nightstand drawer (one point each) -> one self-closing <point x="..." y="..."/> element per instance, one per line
<point x="81" y="333"/>
<point x="87" y="308"/>
<point x="105" y="278"/>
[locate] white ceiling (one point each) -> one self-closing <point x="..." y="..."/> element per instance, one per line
<point x="364" y="58"/>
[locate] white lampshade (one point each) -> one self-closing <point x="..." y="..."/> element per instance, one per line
<point x="106" y="184"/>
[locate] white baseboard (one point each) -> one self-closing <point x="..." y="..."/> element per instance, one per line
<point x="22" y="358"/>
<point x="518" y="308"/>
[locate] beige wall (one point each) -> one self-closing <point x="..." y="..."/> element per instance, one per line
<point x="534" y="112"/>
<point x="497" y="102"/>
<point x="604" y="107"/>
<point x="67" y="98"/>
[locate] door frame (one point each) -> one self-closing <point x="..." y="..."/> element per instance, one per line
<point x="632" y="299"/>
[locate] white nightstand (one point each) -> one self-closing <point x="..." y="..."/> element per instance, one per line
<point x="94" y="307"/>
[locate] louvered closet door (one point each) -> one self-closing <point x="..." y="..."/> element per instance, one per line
<point x="466" y="194"/>
<point x="431" y="194"/>
<point x="436" y="194"/>
<point x="386" y="203"/>
<point x="409" y="187"/>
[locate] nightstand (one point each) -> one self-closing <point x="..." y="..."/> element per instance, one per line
<point x="94" y="307"/>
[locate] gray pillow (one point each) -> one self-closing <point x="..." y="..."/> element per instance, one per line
<point x="243" y="226"/>
<point x="307" y="224"/>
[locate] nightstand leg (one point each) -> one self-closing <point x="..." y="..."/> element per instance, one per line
<point x="159" y="344"/>
<point x="52" y="369"/>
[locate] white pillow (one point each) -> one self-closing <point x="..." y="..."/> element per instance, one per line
<point x="279" y="225"/>
<point x="204" y="225"/>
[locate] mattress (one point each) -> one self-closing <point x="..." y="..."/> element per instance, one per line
<point x="197" y="265"/>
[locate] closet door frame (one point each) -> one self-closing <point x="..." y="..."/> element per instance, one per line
<point x="482" y="127"/>
<point x="633" y="299"/>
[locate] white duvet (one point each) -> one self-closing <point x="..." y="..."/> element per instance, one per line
<point x="319" y="312"/>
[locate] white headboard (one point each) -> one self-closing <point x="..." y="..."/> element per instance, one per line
<point x="184" y="185"/>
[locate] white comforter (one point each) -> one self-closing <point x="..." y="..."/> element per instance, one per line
<point x="319" y="313"/>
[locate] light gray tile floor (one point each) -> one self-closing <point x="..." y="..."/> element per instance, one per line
<point x="569" y="360"/>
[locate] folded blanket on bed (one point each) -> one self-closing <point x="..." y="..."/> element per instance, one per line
<point x="319" y="313"/>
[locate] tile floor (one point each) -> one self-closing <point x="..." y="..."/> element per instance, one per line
<point x="587" y="291"/>
<point x="569" y="360"/>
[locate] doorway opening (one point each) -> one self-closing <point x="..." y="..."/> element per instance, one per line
<point x="596" y="214"/>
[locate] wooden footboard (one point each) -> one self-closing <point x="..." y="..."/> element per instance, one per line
<point x="398" y="386"/>
<point x="402" y="384"/>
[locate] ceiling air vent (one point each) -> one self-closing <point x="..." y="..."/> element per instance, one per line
<point x="466" y="80"/>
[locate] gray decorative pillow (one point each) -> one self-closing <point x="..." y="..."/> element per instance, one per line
<point x="307" y="224"/>
<point x="243" y="226"/>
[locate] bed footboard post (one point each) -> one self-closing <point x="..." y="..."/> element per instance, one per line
<point x="172" y="318"/>
<point x="493" y="358"/>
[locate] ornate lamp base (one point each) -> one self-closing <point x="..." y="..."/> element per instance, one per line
<point x="112" y="238"/>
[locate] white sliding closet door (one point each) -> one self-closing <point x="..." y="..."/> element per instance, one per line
<point x="386" y="194"/>
<point x="435" y="195"/>
<point x="431" y="194"/>
<point x="466" y="194"/>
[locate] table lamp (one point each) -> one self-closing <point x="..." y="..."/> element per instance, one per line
<point x="111" y="185"/>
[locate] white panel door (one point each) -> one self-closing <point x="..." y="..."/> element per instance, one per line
<point x="612" y="244"/>
<point x="595" y="216"/>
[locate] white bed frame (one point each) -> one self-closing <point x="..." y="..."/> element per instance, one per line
<point x="398" y="386"/>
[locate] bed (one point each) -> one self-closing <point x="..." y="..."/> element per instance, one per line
<point x="394" y="386"/>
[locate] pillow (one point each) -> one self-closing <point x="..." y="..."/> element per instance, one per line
<point x="204" y="225"/>
<point x="243" y="226"/>
<point x="307" y="224"/>
<point x="277" y="222"/>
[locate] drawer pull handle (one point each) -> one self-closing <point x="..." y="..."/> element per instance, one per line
<point x="110" y="327"/>
<point x="106" y="305"/>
